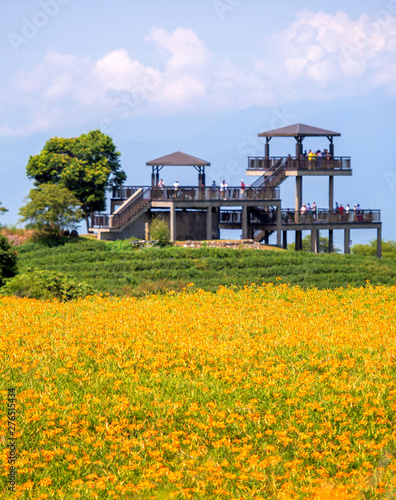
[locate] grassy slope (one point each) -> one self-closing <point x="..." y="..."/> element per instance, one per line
<point x="118" y="269"/>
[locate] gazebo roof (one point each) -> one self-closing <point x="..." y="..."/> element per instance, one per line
<point x="178" y="159"/>
<point x="299" y="130"/>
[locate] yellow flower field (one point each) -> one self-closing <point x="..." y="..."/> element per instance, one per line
<point x="266" y="392"/>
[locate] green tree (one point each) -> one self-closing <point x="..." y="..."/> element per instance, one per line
<point x="3" y="210"/>
<point x="159" y="231"/>
<point x="86" y="165"/>
<point x="8" y="260"/>
<point x="50" y="209"/>
<point x="370" y="249"/>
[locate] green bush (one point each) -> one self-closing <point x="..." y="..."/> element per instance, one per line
<point x="43" y="285"/>
<point x="8" y="260"/>
<point x="370" y="249"/>
<point x="159" y="231"/>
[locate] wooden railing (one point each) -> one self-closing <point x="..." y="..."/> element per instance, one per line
<point x="303" y="163"/>
<point x="325" y="216"/>
<point x="194" y="193"/>
<point x="267" y="216"/>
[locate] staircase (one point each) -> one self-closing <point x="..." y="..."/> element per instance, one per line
<point x="131" y="209"/>
<point x="273" y="176"/>
<point x="264" y="216"/>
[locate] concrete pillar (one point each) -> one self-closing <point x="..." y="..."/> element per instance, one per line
<point x="347" y="237"/>
<point x="278" y="226"/>
<point x="298" y="208"/>
<point x="331" y="192"/>
<point x="173" y="222"/>
<point x="379" y="242"/>
<point x="298" y="192"/>
<point x="209" y="228"/>
<point x="285" y="240"/>
<point x="299" y="240"/>
<point x="331" y="147"/>
<point x="267" y="146"/>
<point x="245" y="234"/>
<point x="330" y="240"/>
<point x="147" y="230"/>
<point x="315" y="241"/>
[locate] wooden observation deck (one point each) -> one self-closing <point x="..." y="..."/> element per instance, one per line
<point x="199" y="212"/>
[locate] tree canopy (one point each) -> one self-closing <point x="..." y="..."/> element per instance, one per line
<point x="50" y="209"/>
<point x="86" y="165"/>
<point x="8" y="260"/>
<point x="3" y="210"/>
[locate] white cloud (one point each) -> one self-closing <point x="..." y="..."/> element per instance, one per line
<point x="329" y="56"/>
<point x="186" y="49"/>
<point x="320" y="56"/>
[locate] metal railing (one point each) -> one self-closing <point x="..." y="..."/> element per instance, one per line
<point x="325" y="216"/>
<point x="194" y="193"/>
<point x="302" y="163"/>
<point x="99" y="220"/>
<point x="268" y="215"/>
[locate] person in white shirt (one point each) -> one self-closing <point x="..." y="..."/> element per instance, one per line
<point x="223" y="189"/>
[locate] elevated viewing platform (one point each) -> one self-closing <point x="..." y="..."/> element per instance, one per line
<point x="200" y="212"/>
<point x="293" y="166"/>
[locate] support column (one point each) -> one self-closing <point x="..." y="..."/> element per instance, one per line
<point x="315" y="241"/>
<point x="285" y="240"/>
<point x="347" y="237"/>
<point x="379" y="242"/>
<point x="245" y="234"/>
<point x="298" y="240"/>
<point x="330" y="241"/>
<point x="331" y="192"/>
<point x="209" y="228"/>
<point x="278" y="226"/>
<point x="298" y="202"/>
<point x="173" y="222"/>
<point x="331" y="208"/>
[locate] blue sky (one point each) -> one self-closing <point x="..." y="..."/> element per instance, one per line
<point x="69" y="66"/>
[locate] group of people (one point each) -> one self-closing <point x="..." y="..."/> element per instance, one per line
<point x="222" y="189"/>
<point x="339" y="210"/>
<point x="308" y="209"/>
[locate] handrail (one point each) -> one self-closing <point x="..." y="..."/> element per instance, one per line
<point x="290" y="216"/>
<point x="130" y="208"/>
<point x="266" y="163"/>
<point x="195" y="193"/>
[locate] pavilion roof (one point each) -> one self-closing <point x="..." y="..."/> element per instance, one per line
<point x="178" y="159"/>
<point x="299" y="130"/>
